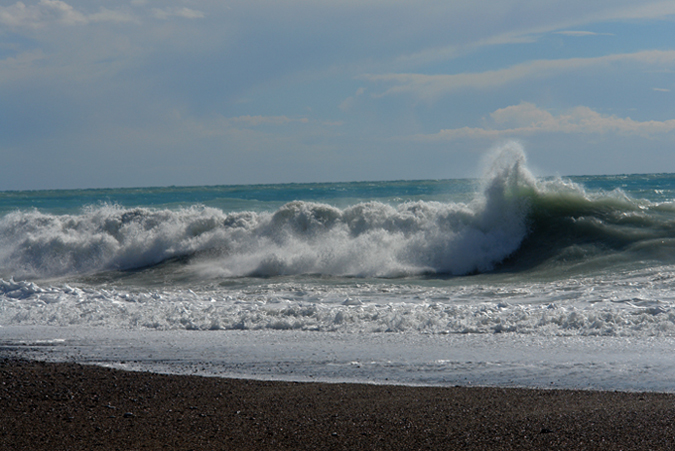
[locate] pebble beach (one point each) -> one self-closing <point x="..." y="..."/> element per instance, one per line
<point x="52" y="406"/>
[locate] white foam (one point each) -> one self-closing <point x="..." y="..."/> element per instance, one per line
<point x="631" y="305"/>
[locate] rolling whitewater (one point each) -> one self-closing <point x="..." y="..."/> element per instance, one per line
<point x="508" y="279"/>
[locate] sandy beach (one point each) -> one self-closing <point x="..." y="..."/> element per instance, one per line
<point x="54" y="406"/>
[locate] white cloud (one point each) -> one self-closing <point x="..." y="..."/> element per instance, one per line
<point x="266" y="120"/>
<point x="18" y="15"/>
<point x="661" y="89"/>
<point x="453" y="51"/>
<point x="643" y="10"/>
<point x="107" y="15"/>
<point x="348" y="103"/>
<point x="429" y="87"/>
<point x="63" y="12"/>
<point x="527" y="119"/>
<point x="579" y="33"/>
<point x="19" y="67"/>
<point x="55" y="11"/>
<point x="541" y="18"/>
<point x="186" y="13"/>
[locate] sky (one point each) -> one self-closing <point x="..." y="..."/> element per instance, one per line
<point x="132" y="93"/>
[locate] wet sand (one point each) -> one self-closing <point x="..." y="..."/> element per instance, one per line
<point x="63" y="406"/>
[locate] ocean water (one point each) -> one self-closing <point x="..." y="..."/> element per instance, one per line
<point x="505" y="280"/>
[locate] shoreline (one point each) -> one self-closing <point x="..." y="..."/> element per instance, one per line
<point x="48" y="406"/>
<point x="493" y="360"/>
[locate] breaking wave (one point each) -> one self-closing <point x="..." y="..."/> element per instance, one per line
<point x="514" y="222"/>
<point x="366" y="239"/>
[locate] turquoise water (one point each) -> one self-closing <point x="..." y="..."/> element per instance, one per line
<point x="652" y="187"/>
<point x="237" y="197"/>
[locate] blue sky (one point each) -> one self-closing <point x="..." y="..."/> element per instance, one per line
<point x="200" y="92"/>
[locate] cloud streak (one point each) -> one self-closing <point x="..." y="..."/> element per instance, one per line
<point x="266" y="120"/>
<point x="580" y="33"/>
<point x="429" y="87"/>
<point x="527" y="119"/>
<point x="186" y="13"/>
<point x="55" y="11"/>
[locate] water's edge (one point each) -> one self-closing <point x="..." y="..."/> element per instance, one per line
<point x="506" y="360"/>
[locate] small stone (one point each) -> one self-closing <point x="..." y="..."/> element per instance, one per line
<point x="129" y="415"/>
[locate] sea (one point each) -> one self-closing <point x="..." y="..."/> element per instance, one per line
<point x="503" y="280"/>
